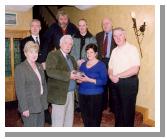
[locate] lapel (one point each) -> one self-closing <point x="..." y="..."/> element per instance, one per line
<point x="102" y="38"/>
<point x="41" y="72"/>
<point x="32" y="72"/>
<point x="31" y="39"/>
<point x="63" y="59"/>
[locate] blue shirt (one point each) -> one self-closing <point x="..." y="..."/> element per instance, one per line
<point x="72" y="84"/>
<point x="98" y="72"/>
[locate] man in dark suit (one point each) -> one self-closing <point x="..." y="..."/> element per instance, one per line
<point x="35" y="28"/>
<point x="105" y="46"/>
<point x="57" y="30"/>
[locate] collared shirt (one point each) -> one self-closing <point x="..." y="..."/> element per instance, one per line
<point x="123" y="58"/>
<point x="40" y="80"/>
<point x="72" y="83"/>
<point x="34" y="37"/>
<point x="109" y="44"/>
<point x="64" y="54"/>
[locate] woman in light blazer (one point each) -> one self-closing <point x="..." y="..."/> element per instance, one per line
<point x="31" y="88"/>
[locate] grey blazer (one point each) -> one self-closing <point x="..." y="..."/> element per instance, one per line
<point x="75" y="52"/>
<point x="28" y="88"/>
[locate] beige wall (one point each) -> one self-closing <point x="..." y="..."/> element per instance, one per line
<point x="23" y="20"/>
<point x="121" y="17"/>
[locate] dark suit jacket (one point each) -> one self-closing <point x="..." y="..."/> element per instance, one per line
<point x="52" y="36"/>
<point x="59" y="77"/>
<point x="28" y="88"/>
<point x="100" y="38"/>
<point x="42" y="51"/>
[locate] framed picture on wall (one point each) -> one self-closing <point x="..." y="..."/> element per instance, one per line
<point x="10" y="18"/>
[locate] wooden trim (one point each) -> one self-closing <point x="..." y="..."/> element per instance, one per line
<point x="146" y="120"/>
<point x="10" y="94"/>
<point x="16" y="33"/>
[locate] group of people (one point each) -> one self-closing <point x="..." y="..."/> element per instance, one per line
<point x="102" y="70"/>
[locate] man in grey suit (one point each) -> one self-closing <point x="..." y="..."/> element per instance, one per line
<point x="31" y="88"/>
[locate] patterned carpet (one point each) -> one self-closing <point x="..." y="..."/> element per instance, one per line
<point x="12" y="118"/>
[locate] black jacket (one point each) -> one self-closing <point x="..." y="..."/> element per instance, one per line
<point x="54" y="33"/>
<point x="42" y="52"/>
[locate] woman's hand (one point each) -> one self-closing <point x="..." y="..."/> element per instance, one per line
<point x="26" y="113"/>
<point x="85" y="78"/>
<point x="79" y="81"/>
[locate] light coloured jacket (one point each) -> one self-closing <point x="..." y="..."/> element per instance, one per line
<point x="75" y="52"/>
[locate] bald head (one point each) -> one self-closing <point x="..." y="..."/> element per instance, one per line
<point x="107" y="24"/>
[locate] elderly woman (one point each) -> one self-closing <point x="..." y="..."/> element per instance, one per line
<point x="124" y="66"/>
<point x="31" y="88"/>
<point x="91" y="88"/>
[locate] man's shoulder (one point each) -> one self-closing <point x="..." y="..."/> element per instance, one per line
<point x="71" y="24"/>
<point x="99" y="34"/>
<point x="53" y="52"/>
<point x="26" y="39"/>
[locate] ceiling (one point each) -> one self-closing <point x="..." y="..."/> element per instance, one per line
<point x="23" y="8"/>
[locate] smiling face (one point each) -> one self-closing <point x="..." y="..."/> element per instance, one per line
<point x="35" y="27"/>
<point x="31" y="55"/>
<point x="119" y="37"/>
<point x="82" y="26"/>
<point x="91" y="54"/>
<point x="66" y="45"/>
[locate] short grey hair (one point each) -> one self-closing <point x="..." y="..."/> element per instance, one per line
<point x="120" y="29"/>
<point x="65" y="38"/>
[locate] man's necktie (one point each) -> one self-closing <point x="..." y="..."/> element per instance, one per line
<point x="104" y="49"/>
<point x="67" y="56"/>
<point x="36" y="41"/>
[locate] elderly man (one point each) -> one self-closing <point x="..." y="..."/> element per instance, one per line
<point x="60" y="67"/>
<point x="124" y="66"/>
<point x="105" y="46"/>
<point x="57" y="30"/>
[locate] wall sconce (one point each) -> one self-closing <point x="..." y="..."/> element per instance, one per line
<point x="139" y="32"/>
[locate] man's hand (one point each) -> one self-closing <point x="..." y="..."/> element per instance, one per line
<point x="26" y="113"/>
<point x="114" y="79"/>
<point x="79" y="62"/>
<point x="73" y="75"/>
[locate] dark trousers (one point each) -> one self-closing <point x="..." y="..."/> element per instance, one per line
<point x="124" y="97"/>
<point x="91" y="109"/>
<point x="107" y="94"/>
<point x="34" y="120"/>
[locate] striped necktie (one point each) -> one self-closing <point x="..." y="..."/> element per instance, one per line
<point x="36" y="41"/>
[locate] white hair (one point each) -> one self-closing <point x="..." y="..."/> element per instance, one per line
<point x="120" y="29"/>
<point x="65" y="38"/>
